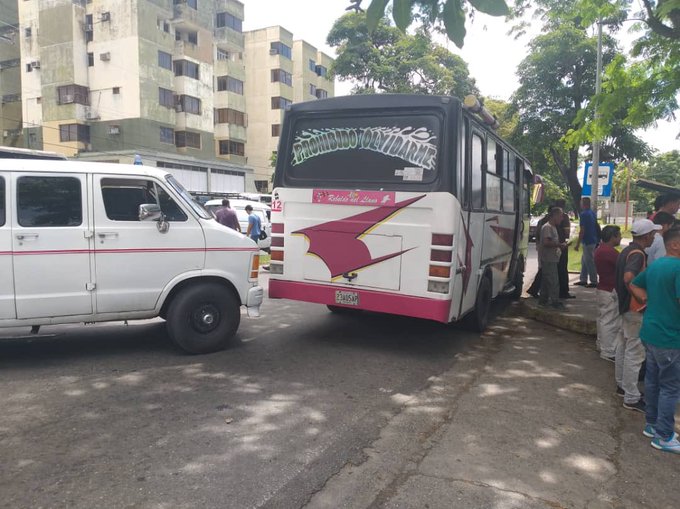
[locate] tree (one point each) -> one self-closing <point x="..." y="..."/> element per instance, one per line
<point x="449" y="15"/>
<point x="387" y="60"/>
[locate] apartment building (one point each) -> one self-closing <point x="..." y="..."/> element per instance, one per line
<point x="170" y="81"/>
<point x="279" y="71"/>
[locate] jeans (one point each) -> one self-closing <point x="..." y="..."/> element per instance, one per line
<point x="629" y="356"/>
<point x="550" y="285"/>
<point x="662" y="384"/>
<point x="588" y="264"/>
<point x="608" y="322"/>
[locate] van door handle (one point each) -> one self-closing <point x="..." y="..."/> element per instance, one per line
<point x="107" y="235"/>
<point x="27" y="236"/>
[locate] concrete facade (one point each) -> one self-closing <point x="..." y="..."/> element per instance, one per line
<point x="164" y="78"/>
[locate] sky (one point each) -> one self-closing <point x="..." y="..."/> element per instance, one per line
<point x="492" y="55"/>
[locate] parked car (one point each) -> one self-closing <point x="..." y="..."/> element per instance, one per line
<point x="95" y="242"/>
<point x="261" y="209"/>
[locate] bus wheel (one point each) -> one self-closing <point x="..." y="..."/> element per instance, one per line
<point x="479" y="318"/>
<point x="518" y="282"/>
<point x="203" y="318"/>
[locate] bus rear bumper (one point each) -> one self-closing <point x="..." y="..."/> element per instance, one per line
<point x="369" y="300"/>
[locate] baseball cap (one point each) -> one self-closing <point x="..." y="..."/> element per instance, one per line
<point x="643" y="227"/>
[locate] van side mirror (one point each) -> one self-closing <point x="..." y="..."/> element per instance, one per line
<point x="149" y="212"/>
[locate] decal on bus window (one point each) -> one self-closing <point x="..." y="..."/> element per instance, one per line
<point x="342" y="197"/>
<point x="414" y="145"/>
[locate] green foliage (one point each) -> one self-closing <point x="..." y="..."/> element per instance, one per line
<point x="449" y="13"/>
<point x="388" y="60"/>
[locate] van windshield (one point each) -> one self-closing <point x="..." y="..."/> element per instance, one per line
<point x="197" y="207"/>
<point x="378" y="148"/>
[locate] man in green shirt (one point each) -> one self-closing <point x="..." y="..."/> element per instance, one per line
<point x="659" y="287"/>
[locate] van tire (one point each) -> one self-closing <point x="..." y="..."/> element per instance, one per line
<point x="518" y="281"/>
<point x="479" y="318"/>
<point x="203" y="318"/>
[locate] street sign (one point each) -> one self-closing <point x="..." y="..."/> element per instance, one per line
<point x="605" y="178"/>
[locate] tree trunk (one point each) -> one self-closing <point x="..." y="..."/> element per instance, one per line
<point x="570" y="175"/>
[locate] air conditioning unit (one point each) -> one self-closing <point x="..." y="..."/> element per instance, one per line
<point x="91" y="115"/>
<point x="105" y="56"/>
<point x="114" y="129"/>
<point x="35" y="64"/>
<point x="273" y="51"/>
<point x="5" y="134"/>
<point x="106" y="16"/>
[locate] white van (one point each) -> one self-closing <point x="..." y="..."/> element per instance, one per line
<point x="92" y="242"/>
<point x="262" y="210"/>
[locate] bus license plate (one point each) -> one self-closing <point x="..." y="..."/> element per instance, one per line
<point x="346" y="298"/>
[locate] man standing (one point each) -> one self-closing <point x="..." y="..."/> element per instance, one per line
<point x="669" y="203"/>
<point x="657" y="249"/>
<point x="630" y="352"/>
<point x="659" y="286"/>
<point x="588" y="236"/>
<point x="549" y="257"/>
<point x="254" y="224"/>
<point x="227" y="216"/>
<point x="563" y="232"/>
<point x="609" y="319"/>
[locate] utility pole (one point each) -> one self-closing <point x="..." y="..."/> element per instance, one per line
<point x="595" y="169"/>
<point x="629" y="167"/>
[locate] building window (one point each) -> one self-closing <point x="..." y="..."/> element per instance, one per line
<point x="115" y="90"/>
<point x="224" y="19"/>
<point x="186" y="68"/>
<point x="312" y="65"/>
<point x="166" y="97"/>
<point x="192" y="37"/>
<point x="229" y="84"/>
<point x="321" y="71"/>
<point x="165" y="60"/>
<point x="262" y="186"/>
<point x="321" y="93"/>
<point x="278" y="48"/>
<point x="280" y="103"/>
<point x="189" y="104"/>
<point x="187" y="139"/>
<point x="282" y="76"/>
<point x="228" y="147"/>
<point x="89" y="28"/>
<point x="90" y="59"/>
<point x="69" y="94"/>
<point x="312" y="89"/>
<point x="168" y="135"/>
<point x="191" y="3"/>
<point x="163" y="25"/>
<point x="222" y="54"/>
<point x="276" y="130"/>
<point x="230" y="116"/>
<point x="74" y="132"/>
<point x="29" y="67"/>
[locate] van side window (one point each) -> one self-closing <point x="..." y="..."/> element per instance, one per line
<point x="2" y="201"/>
<point x="49" y="201"/>
<point x="122" y="198"/>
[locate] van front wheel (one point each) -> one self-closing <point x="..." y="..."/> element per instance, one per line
<point x="203" y="318"/>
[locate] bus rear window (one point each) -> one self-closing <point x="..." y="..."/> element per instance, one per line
<point x="380" y="149"/>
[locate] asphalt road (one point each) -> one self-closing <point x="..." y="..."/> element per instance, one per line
<point x="113" y="416"/>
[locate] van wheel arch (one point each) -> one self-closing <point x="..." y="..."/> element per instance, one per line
<point x="177" y="289"/>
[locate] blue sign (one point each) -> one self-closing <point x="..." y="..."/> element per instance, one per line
<point x="606" y="176"/>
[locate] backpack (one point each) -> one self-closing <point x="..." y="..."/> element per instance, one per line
<point x="635" y="306"/>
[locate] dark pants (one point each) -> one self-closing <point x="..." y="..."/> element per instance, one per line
<point x="563" y="273"/>
<point x="536" y="285"/>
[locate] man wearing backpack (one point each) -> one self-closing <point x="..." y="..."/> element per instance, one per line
<point x="629" y="352"/>
<point x="254" y="224"/>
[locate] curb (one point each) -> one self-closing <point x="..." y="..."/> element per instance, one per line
<point x="573" y="322"/>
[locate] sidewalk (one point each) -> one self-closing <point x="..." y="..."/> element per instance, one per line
<point x="527" y="419"/>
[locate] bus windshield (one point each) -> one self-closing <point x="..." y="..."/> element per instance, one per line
<point x="375" y="148"/>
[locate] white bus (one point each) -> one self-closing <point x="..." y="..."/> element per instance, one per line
<point x="401" y="204"/>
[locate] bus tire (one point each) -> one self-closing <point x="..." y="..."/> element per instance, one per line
<point x="203" y="318"/>
<point x="518" y="280"/>
<point x="479" y="318"/>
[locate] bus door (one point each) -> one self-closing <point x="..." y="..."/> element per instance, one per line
<point x="471" y="233"/>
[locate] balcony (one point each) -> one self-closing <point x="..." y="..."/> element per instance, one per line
<point x="185" y="15"/>
<point x="229" y="36"/>
<point x="186" y="49"/>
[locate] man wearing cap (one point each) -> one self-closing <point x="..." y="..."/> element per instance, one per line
<point x="629" y="352"/>
<point x="659" y="287"/>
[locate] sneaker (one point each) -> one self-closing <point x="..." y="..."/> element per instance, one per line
<point x="638" y="406"/>
<point x="620" y="391"/>
<point x="672" y="445"/>
<point x="607" y="358"/>
<point x="649" y="431"/>
<point x="579" y="283"/>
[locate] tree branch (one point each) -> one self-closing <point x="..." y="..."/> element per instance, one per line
<point x="656" y="25"/>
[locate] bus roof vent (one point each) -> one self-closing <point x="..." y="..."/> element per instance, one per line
<point x="474" y="105"/>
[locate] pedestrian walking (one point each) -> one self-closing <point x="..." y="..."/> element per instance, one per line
<point x="609" y="318"/>
<point x="657" y="249"/>
<point x="629" y="351"/>
<point x="659" y="287"/>
<point x="549" y="257"/>
<point x="227" y="216"/>
<point x="254" y="224"/>
<point x="588" y="236"/>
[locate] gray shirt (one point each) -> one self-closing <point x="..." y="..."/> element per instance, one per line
<point x="549" y="254"/>
<point x="657" y="249"/>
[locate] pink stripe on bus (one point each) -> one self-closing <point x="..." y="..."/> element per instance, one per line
<point x="382" y="302"/>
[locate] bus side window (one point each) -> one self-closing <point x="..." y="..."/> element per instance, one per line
<point x="477" y="172"/>
<point x="463" y="196"/>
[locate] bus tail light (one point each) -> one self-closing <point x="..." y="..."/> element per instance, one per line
<point x="276" y="253"/>
<point x="437" y="255"/>
<point x="277" y="256"/>
<point x="439" y="271"/>
<point x="442" y="239"/>
<point x="437" y="287"/>
<point x="277" y="227"/>
<point x="255" y="266"/>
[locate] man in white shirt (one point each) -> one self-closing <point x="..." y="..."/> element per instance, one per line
<point x="658" y="249"/>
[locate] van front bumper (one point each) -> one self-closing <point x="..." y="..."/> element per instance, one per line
<point x="254" y="301"/>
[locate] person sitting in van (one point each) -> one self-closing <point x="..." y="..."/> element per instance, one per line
<point x="254" y="225"/>
<point x="227" y="216"/>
